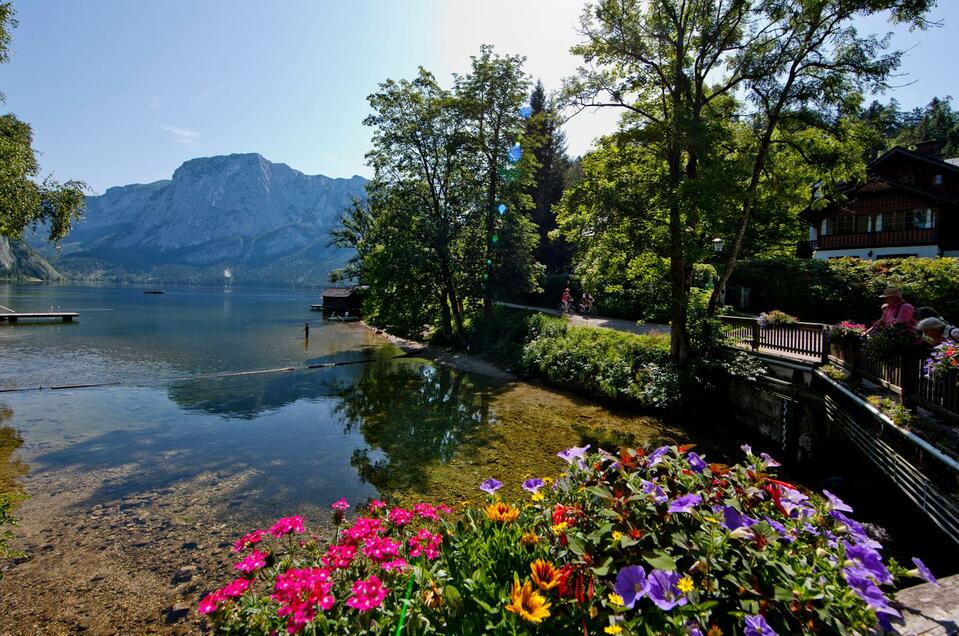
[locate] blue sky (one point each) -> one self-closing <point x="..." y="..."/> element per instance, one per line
<point x="122" y="91"/>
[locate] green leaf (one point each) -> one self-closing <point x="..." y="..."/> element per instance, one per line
<point x="576" y="544"/>
<point x="603" y="570"/>
<point x="453" y="599"/>
<point x="662" y="561"/>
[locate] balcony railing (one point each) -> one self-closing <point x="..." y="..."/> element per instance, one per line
<point x="879" y="239"/>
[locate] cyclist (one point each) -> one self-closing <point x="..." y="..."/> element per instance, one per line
<point x="565" y="300"/>
<point x="586" y="304"/>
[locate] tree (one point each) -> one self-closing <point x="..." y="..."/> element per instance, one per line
<point x="548" y="145"/>
<point x="934" y="122"/>
<point x="675" y="66"/>
<point x="25" y="202"/>
<point x="490" y="97"/>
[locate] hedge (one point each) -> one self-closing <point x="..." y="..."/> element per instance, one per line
<point x="848" y="288"/>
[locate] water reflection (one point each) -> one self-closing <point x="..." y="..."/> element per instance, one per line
<point x="10" y="440"/>
<point x="411" y="415"/>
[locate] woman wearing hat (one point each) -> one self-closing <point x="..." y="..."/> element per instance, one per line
<point x="894" y="310"/>
<point x="935" y="330"/>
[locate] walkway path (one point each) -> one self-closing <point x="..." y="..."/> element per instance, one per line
<point x="616" y="324"/>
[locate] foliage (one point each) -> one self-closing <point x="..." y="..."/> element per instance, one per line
<point x="680" y="73"/>
<point x="8" y="502"/>
<point x="24" y="201"/>
<point x="943" y="360"/>
<point x="836" y="373"/>
<point x="647" y="542"/>
<point x="615" y="366"/>
<point x="936" y="121"/>
<point x="430" y="241"/>
<point x="846" y="333"/>
<point x="887" y="343"/>
<point x="776" y="317"/>
<point x="899" y="414"/>
<point x="848" y="288"/>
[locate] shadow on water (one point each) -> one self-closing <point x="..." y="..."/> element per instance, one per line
<point x="283" y="442"/>
<point x="11" y="469"/>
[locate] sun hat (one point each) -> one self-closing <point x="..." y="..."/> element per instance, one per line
<point x="890" y="291"/>
<point x="930" y="323"/>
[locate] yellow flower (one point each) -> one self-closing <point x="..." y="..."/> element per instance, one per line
<point x="545" y="574"/>
<point x="529" y="538"/>
<point x="685" y="585"/>
<point x="616" y="599"/>
<point x="547" y="481"/>
<point x="529" y="605"/>
<point x="538" y="496"/>
<point x="714" y="631"/>
<point x="613" y="629"/>
<point x="560" y="527"/>
<point x="617" y="535"/>
<point x="593" y="611"/>
<point x="502" y="512"/>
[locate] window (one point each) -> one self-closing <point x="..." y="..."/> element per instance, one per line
<point x="877" y="225"/>
<point x="901" y="220"/>
<point x="906" y="179"/>
<point x="937" y="180"/>
<point x="922" y="219"/>
<point x="863" y="224"/>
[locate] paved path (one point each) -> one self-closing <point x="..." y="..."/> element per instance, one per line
<point x="616" y="324"/>
<point x="929" y="610"/>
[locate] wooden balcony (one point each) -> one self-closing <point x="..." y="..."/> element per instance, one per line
<point x="879" y="239"/>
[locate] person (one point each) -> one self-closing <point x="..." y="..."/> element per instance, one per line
<point x="566" y="299"/>
<point x="587" y="302"/>
<point x="306" y="329"/>
<point x="936" y="330"/>
<point x="894" y="310"/>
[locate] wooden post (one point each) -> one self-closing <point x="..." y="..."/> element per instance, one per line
<point x="756" y="334"/>
<point x="909" y="379"/>
<point x="825" y="345"/>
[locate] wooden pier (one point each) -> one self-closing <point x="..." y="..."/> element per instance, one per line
<point x="65" y="316"/>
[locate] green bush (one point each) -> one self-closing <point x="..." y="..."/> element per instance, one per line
<point x="848" y="288"/>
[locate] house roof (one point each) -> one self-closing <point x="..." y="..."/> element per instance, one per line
<point x="899" y="150"/>
<point x="338" y="292"/>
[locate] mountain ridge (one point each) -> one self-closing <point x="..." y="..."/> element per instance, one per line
<point x="266" y="222"/>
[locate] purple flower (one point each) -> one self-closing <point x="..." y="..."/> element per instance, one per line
<point x="663" y="590"/>
<point x="655" y="457"/>
<point x="770" y="462"/>
<point x="696" y="463"/>
<point x="746" y="448"/>
<point x="780" y="529"/>
<point x="685" y="503"/>
<point x="855" y="529"/>
<point x="835" y="502"/>
<point x="576" y="452"/>
<point x="757" y="626"/>
<point x="655" y="491"/>
<point x="925" y="572"/>
<point x="631" y="584"/>
<point x="491" y="486"/>
<point x="868" y="560"/>
<point x="868" y="591"/>
<point x="732" y="519"/>
<point x="533" y="485"/>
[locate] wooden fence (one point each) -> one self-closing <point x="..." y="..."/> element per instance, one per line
<point x="809" y="341"/>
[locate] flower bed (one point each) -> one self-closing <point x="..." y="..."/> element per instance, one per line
<point x="644" y="542"/>
<point x="943" y="360"/>
<point x="775" y="318"/>
<point x="846" y="333"/>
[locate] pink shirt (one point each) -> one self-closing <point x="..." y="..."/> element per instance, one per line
<point x="901" y="312"/>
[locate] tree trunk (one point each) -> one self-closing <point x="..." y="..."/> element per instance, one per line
<point x="490" y="231"/>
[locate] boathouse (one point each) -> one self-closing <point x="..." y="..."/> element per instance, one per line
<point x="343" y="299"/>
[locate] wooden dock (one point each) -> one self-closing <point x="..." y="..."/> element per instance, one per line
<point x="65" y="316"/>
<point x="316" y="307"/>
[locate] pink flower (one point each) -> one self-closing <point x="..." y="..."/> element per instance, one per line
<point x="367" y="594"/>
<point x="253" y="562"/>
<point x="376" y="504"/>
<point x="209" y="603"/>
<point x="248" y="540"/>
<point x="340" y="505"/>
<point x="426" y="511"/>
<point x="286" y="525"/>
<point x="380" y="548"/>
<point x="299" y="592"/>
<point x="425" y="543"/>
<point x="236" y="588"/>
<point x="446" y="510"/>
<point x="395" y="564"/>
<point x="339" y="556"/>
<point x="362" y="528"/>
<point x="400" y="517"/>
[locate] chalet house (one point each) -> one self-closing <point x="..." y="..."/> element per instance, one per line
<point x="349" y="299"/>
<point x="908" y="206"/>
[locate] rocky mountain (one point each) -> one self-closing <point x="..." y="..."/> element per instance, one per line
<point x="264" y="222"/>
<point x="19" y="262"/>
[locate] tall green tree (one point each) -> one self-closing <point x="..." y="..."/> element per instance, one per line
<point x="547" y="141"/>
<point x="490" y="97"/>
<point x="25" y="199"/>
<point x="674" y="65"/>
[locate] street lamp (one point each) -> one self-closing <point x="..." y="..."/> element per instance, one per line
<point x="718" y="244"/>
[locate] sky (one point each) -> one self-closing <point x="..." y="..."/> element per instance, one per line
<point x="122" y="91"/>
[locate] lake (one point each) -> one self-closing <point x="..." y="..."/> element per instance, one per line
<point x="198" y="430"/>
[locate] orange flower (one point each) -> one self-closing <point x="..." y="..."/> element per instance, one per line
<point x="545" y="574"/>
<point x="529" y="538"/>
<point x="529" y="605"/>
<point x="501" y="512"/>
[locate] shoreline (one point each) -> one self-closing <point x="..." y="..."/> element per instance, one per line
<point x="447" y="356"/>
